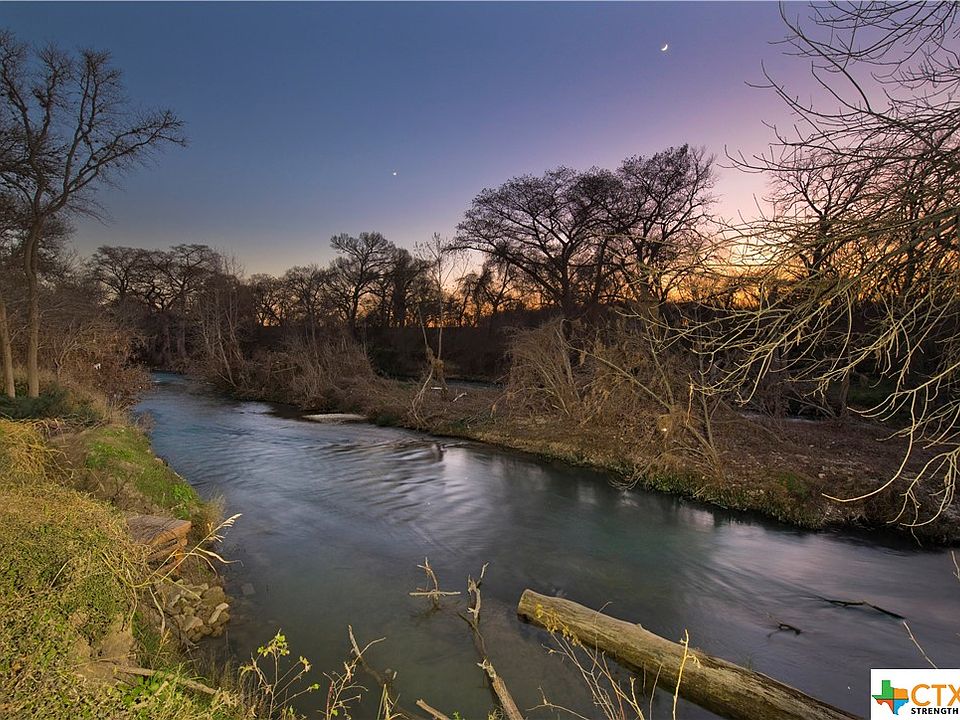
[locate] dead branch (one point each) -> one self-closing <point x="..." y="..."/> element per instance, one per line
<point x="435" y="593"/>
<point x="187" y="683"/>
<point x="432" y="711"/>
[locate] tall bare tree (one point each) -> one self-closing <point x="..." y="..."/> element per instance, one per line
<point x="553" y="228"/>
<point x="9" y="225"/>
<point x="361" y="262"/>
<point x="68" y="128"/>
<point x="120" y="269"/>
<point x="859" y="267"/>
<point x="308" y="289"/>
<point x="664" y="206"/>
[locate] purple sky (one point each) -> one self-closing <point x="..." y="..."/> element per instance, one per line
<point x="299" y="114"/>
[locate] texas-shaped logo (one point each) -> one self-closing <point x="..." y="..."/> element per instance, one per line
<point x="895" y="698"/>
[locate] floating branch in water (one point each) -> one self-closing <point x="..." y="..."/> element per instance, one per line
<point x="860" y="603"/>
<point x="435" y="593"/>
<point x="500" y="691"/>
<point x="432" y="711"/>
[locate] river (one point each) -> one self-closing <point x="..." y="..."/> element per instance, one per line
<point x="336" y="518"/>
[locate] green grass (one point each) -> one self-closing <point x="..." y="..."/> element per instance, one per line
<point x="124" y="454"/>
<point x="71" y="581"/>
<point x="794" y="484"/>
<point x="63" y="583"/>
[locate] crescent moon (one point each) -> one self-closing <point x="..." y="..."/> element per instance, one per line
<point x="666" y="46"/>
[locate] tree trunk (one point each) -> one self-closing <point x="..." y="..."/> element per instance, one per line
<point x="30" y="258"/>
<point x="717" y="685"/>
<point x="166" y="351"/>
<point x="6" y="353"/>
<point x="182" y="338"/>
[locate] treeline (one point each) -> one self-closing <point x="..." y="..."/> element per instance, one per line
<point x="577" y="242"/>
<point x="192" y="308"/>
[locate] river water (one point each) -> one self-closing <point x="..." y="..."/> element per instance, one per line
<point x="336" y="518"/>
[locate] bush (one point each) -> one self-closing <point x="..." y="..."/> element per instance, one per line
<point x="623" y="385"/>
<point x="57" y="401"/>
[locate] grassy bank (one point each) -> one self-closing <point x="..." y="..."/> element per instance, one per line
<point x="116" y="462"/>
<point x="74" y="587"/>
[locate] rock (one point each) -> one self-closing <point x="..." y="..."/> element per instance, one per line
<point x="192" y="624"/>
<point x="217" y="611"/>
<point x="214" y="596"/>
<point x="198" y="610"/>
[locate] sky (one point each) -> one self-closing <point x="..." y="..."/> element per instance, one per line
<point x="305" y="120"/>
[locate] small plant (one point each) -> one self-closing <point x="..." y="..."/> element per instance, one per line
<point x="614" y="699"/>
<point x="276" y="686"/>
<point x="794" y="484"/>
<point x="273" y="682"/>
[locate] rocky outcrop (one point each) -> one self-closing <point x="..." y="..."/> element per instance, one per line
<point x="198" y="611"/>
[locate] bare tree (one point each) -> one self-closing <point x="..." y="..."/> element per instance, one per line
<point x="120" y="269"/>
<point x="663" y="207"/>
<point x="68" y="128"/>
<point x="404" y="273"/>
<point x="583" y="238"/>
<point x="223" y="313"/>
<point x="859" y="267"/>
<point x="441" y="260"/>
<point x="9" y="224"/>
<point x="271" y="300"/>
<point x="553" y="228"/>
<point x="190" y="266"/>
<point x="309" y="291"/>
<point x="362" y="261"/>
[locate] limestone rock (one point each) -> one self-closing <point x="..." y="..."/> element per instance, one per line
<point x="217" y="612"/>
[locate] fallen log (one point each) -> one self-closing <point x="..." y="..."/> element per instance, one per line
<point x="714" y="684"/>
<point x="165" y="536"/>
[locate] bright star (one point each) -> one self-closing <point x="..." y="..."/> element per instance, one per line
<point x="394" y="173"/>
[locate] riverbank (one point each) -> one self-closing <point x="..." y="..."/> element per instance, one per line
<point x="802" y="472"/>
<point x="82" y="634"/>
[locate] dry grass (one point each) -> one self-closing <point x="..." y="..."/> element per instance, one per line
<point x="25" y="456"/>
